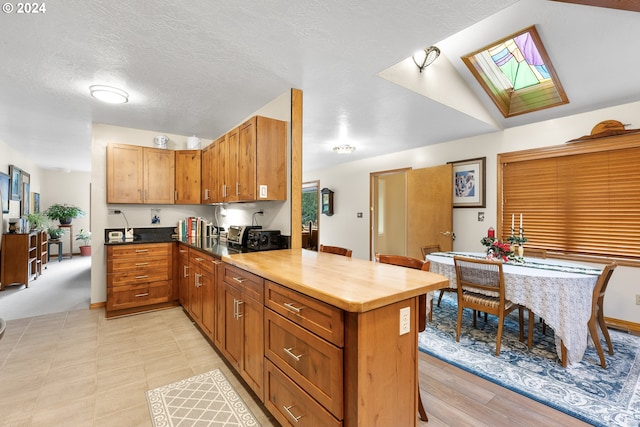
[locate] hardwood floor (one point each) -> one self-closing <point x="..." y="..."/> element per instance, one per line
<point x="453" y="397"/>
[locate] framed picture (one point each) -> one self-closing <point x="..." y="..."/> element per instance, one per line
<point x="35" y="202"/>
<point x="4" y="191"/>
<point x="468" y="183"/>
<point x="16" y="182"/>
<point x="327" y="201"/>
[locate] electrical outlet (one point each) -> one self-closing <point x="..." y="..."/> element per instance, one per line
<point x="405" y="320"/>
<point x="114" y="211"/>
<point x="638" y="299"/>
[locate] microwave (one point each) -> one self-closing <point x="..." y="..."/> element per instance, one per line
<point x="237" y="235"/>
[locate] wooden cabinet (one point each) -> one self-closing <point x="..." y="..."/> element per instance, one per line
<point x="138" y="174"/>
<point x="198" y="279"/>
<point x="182" y="275"/>
<point x="227" y="170"/>
<point x="139" y="277"/>
<point x="187" y="177"/>
<point x="210" y="187"/>
<point x="242" y="335"/>
<point x="20" y="253"/>
<point x="42" y="251"/>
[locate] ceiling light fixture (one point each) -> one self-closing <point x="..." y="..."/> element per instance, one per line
<point x="109" y="94"/>
<point x="425" y="57"/>
<point x="344" y="149"/>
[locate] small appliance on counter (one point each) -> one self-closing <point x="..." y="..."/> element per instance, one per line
<point x="263" y="240"/>
<point x="238" y="234"/>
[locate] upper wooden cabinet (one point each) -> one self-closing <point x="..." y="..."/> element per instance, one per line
<point x="138" y="174"/>
<point x="188" y="180"/>
<point x="210" y="192"/>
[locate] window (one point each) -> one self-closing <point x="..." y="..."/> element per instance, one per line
<point x="517" y="74"/>
<point x="578" y="200"/>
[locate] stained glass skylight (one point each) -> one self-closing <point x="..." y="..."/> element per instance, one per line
<point x="517" y="74"/>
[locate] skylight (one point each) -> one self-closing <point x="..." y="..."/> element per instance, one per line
<point x="517" y="74"/>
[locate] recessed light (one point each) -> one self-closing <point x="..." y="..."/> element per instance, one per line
<point x="109" y="94"/>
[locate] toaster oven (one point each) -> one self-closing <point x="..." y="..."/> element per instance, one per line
<point x="237" y="235"/>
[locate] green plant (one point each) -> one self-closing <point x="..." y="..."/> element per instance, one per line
<point x="85" y="236"/>
<point x="55" y="233"/>
<point x="63" y="212"/>
<point x="37" y="220"/>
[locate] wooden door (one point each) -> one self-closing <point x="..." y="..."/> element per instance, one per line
<point x="188" y="177"/>
<point x="183" y="276"/>
<point x="208" y="298"/>
<point x="159" y="176"/>
<point x="246" y="161"/>
<point x="253" y="355"/>
<point x="271" y="159"/>
<point x="229" y="169"/>
<point x="233" y="337"/>
<point x="209" y="173"/>
<point x="124" y="173"/>
<point x="195" y="292"/>
<point x="430" y="209"/>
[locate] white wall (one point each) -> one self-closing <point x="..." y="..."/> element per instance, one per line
<point x="277" y="215"/>
<point x="350" y="182"/>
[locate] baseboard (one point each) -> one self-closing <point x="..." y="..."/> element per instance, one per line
<point x="623" y="325"/>
<point x="97" y="305"/>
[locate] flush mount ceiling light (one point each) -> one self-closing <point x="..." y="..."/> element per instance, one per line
<point x="344" y="149"/>
<point x="109" y="94"/>
<point x="425" y="57"/>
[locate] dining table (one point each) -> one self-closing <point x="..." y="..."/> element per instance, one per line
<point x="559" y="291"/>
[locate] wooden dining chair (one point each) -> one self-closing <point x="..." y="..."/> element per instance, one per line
<point x="336" y="250"/>
<point x="417" y="264"/>
<point x="481" y="288"/>
<point x="597" y="312"/>
<point x="535" y="253"/>
<point x="429" y="249"/>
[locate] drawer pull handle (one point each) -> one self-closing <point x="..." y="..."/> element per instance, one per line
<point x="140" y="264"/>
<point x="288" y="410"/>
<point x="239" y="279"/>
<point x="199" y="259"/>
<point x="142" y="250"/>
<point x="146" y="294"/>
<point x="141" y="277"/>
<point x="291" y="307"/>
<point x="293" y="356"/>
<point x="197" y="280"/>
<point x="184" y="271"/>
<point x="216" y="262"/>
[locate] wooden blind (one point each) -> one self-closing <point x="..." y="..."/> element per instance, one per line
<point x="582" y="200"/>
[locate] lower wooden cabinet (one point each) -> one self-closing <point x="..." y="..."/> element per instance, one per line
<point x="139" y="277"/>
<point x="202" y="282"/>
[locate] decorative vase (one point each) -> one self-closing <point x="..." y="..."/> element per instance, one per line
<point x="65" y="221"/>
<point x="85" y="250"/>
<point x="520" y="251"/>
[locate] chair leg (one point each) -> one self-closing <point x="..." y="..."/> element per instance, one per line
<point x="431" y="310"/>
<point x="499" y="337"/>
<point x="603" y="326"/>
<point x="530" y="328"/>
<point x="440" y="296"/>
<point x="593" y="330"/>
<point x="459" y="323"/>
<point x="421" y="411"/>
<point x="521" y="322"/>
<point x="475" y="313"/>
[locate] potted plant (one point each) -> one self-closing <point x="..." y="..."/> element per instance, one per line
<point x="85" y="236"/>
<point x="64" y="213"/>
<point x="55" y="233"/>
<point x="37" y="220"/>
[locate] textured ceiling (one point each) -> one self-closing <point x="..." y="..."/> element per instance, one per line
<point x="199" y="67"/>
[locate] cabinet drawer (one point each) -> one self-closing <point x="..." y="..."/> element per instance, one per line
<point x="206" y="262"/>
<point x="318" y="317"/>
<point x="138" y="295"/>
<point x="120" y="265"/>
<point x="313" y="363"/>
<point x="142" y="275"/>
<point x="252" y="285"/>
<point x="290" y="405"/>
<point x="139" y="250"/>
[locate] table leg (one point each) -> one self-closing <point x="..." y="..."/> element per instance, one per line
<point x="563" y="350"/>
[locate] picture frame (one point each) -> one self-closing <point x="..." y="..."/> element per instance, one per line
<point x="35" y="202"/>
<point x="469" y="179"/>
<point x="5" y="191"/>
<point x="15" y="174"/>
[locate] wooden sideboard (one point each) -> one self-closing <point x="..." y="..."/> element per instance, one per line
<point x="20" y="255"/>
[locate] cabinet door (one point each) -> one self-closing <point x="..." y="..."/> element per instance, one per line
<point x="159" y="176"/>
<point x="195" y="292"/>
<point x="271" y="160"/>
<point x="246" y="161"/>
<point x="124" y="173"/>
<point x="208" y="170"/>
<point x="252" y="313"/>
<point x="232" y="346"/>
<point x="187" y="177"/>
<point x="208" y="299"/>
<point x="230" y="167"/>
<point x="183" y="276"/>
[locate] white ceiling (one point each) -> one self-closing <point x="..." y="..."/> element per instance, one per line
<point x="200" y="67"/>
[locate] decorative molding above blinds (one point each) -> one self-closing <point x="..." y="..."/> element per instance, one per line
<point x="578" y="199"/>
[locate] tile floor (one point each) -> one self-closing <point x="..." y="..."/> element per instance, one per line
<point x="79" y="369"/>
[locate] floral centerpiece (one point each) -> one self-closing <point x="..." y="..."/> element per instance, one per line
<point x="497" y="250"/>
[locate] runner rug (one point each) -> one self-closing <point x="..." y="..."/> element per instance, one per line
<point x="601" y="397"/>
<point x="203" y="400"/>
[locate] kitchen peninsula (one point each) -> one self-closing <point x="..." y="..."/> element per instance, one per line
<point x="333" y="351"/>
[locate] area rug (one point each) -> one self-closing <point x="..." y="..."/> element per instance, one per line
<point x="203" y="400"/>
<point x="601" y="397"/>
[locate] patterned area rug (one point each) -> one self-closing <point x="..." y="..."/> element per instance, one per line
<point x="602" y="397"/>
<point x="204" y="400"/>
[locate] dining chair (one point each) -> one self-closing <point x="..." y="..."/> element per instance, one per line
<point x="481" y="288"/>
<point x="336" y="250"/>
<point x="429" y="249"/>
<point x="597" y="312"/>
<point x="535" y="253"/>
<point x="417" y="264"/>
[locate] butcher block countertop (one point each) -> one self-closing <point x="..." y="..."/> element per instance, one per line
<point x="351" y="284"/>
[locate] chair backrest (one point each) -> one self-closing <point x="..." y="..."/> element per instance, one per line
<point x="335" y="250"/>
<point x="535" y="252"/>
<point x="428" y="249"/>
<point x="479" y="274"/>
<point x="418" y="264"/>
<point x="602" y="283"/>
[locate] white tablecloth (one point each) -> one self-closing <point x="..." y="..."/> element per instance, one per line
<point x="562" y="299"/>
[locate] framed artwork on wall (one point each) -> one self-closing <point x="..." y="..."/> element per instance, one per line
<point x="15" y="174"/>
<point x="5" y="191"/>
<point x="468" y="183"/>
<point x="25" y="204"/>
<point x="35" y="202"/>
